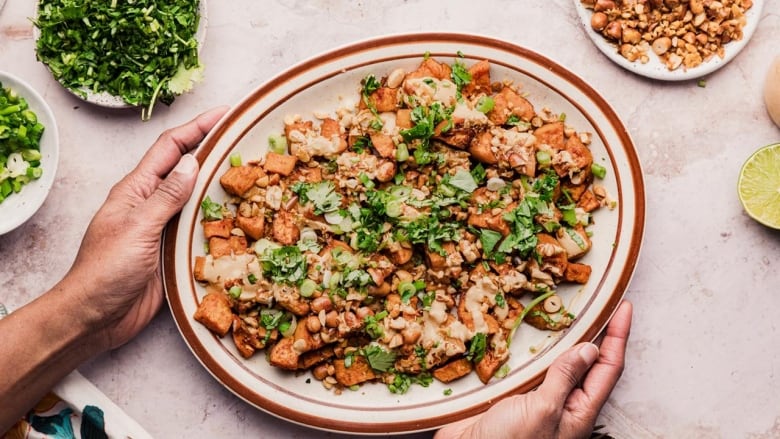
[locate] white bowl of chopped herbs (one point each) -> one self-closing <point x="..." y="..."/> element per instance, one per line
<point x="122" y="54"/>
<point x="29" y="150"/>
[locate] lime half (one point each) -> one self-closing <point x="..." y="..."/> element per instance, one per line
<point x="759" y="186"/>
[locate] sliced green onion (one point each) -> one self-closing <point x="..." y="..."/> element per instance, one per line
<point x="308" y="287"/>
<point x="543" y="157"/>
<point x="485" y="104"/>
<point x="406" y="289"/>
<point x="235" y="159"/>
<point x="393" y="208"/>
<point x="402" y="153"/>
<point x="598" y="170"/>
<point x="235" y="291"/>
<point x="277" y="143"/>
<point x="525" y="311"/>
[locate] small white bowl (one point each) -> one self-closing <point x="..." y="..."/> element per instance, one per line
<point x="19" y="207"/>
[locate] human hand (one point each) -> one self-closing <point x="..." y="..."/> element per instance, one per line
<point x="560" y="407"/>
<point x="117" y="269"/>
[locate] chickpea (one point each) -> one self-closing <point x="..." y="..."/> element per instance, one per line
<point x="599" y="21"/>
<point x="364" y="312"/>
<point x="385" y="171"/>
<point x="552" y="304"/>
<point x="313" y="324"/>
<point x="321" y="371"/>
<point x="332" y="319"/>
<point x="352" y="320"/>
<point x="321" y="303"/>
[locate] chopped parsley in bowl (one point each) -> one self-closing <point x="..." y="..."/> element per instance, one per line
<point x="122" y="54"/>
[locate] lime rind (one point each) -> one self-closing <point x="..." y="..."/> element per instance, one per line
<point x="759" y="186"/>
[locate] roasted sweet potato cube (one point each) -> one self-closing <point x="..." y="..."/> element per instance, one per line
<point x="384" y="99"/>
<point x="403" y="118"/>
<point x="577" y="273"/>
<point x="466" y="317"/>
<point x="575" y="191"/>
<point x="401" y="255"/>
<point x="214" y="313"/>
<point x="456" y="137"/>
<point x="299" y="125"/>
<point x="199" y="270"/>
<point x="384" y="145"/>
<point x="331" y="128"/>
<point x="239" y="179"/>
<point x="357" y="372"/>
<point x="307" y="174"/>
<point x="284" y="229"/>
<point x="453" y="370"/>
<point x="481" y="148"/>
<point x="480" y="79"/>
<point x="489" y="365"/>
<point x="437" y="261"/>
<point x="312" y="358"/>
<point x="241" y="338"/>
<point x="588" y="201"/>
<point x="252" y="226"/>
<point x="280" y="164"/>
<point x="222" y="247"/>
<point x="430" y="68"/>
<point x="550" y="134"/>
<point x="219" y="228"/>
<point x="487" y="220"/>
<point x="283" y="355"/>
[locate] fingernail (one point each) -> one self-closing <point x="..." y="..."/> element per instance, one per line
<point x="187" y="165"/>
<point x="589" y="352"/>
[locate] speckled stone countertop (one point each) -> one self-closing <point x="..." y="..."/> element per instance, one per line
<point x="703" y="360"/>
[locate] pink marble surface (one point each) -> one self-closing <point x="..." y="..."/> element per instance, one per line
<point x="703" y="358"/>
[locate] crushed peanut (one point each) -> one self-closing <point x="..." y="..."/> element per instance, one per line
<point x="681" y="33"/>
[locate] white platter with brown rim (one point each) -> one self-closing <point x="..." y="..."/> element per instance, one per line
<point x="320" y="84"/>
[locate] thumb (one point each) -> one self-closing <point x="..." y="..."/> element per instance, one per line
<point x="566" y="371"/>
<point x="172" y="193"/>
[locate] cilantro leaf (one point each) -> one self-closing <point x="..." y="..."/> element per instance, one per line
<point x="378" y="358"/>
<point x="323" y="195"/>
<point x="211" y="211"/>
<point x="284" y="264"/>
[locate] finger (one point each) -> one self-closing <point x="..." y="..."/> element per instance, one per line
<point x="603" y="376"/>
<point x="170" y="195"/>
<point x="565" y="373"/>
<point x="169" y="147"/>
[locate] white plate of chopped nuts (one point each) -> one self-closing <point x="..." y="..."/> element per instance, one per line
<point x="670" y="40"/>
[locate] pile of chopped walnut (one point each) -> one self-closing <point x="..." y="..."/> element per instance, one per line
<point x="681" y="32"/>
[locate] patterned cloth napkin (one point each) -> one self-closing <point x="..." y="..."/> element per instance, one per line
<point x="75" y="409"/>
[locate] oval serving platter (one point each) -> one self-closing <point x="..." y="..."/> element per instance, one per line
<point x="322" y="84"/>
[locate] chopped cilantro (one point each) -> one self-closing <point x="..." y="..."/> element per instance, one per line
<point x="372" y="325"/>
<point x="378" y="358"/>
<point x="477" y="347"/>
<point x="284" y="264"/>
<point x="489" y="240"/>
<point x="211" y="211"/>
<point x="464" y="181"/>
<point x="322" y="195"/>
